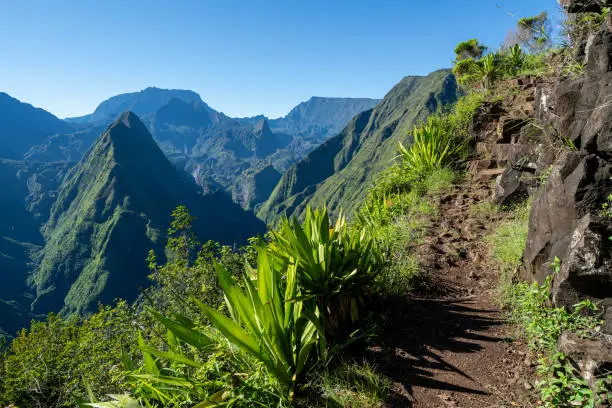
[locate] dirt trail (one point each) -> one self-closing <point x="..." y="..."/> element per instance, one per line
<point x="450" y="346"/>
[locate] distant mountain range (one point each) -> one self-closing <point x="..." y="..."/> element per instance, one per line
<point x="85" y="199"/>
<point x="215" y="149"/>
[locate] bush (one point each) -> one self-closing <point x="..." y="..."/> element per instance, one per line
<point x="470" y="49"/>
<point x="49" y="364"/>
<point x="336" y="265"/>
<point x="435" y="145"/>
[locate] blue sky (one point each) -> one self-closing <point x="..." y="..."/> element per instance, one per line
<point x="242" y="57"/>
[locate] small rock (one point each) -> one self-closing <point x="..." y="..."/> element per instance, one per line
<point x="527" y="385"/>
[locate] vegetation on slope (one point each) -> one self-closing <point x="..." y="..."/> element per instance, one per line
<point x="110" y="210"/>
<point x="266" y="325"/>
<point x="339" y="172"/>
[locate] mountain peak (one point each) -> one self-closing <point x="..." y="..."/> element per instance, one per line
<point x="144" y="102"/>
<point x="131" y="121"/>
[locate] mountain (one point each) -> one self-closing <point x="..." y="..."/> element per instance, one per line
<point x="255" y="186"/>
<point x="23" y="126"/>
<point x="28" y="191"/>
<point x="321" y="118"/>
<point x="112" y="208"/>
<point x="141" y="103"/>
<point x="339" y="172"/>
<point x="217" y="150"/>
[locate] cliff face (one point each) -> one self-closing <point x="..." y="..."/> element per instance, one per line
<point x="555" y="142"/>
<point x="568" y="219"/>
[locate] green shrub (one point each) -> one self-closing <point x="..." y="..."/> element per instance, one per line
<point x="435" y="145"/>
<point x="49" y="364"/>
<point x="470" y="49"/>
<point x="189" y="271"/>
<point x="335" y="265"/>
<point x="559" y="383"/>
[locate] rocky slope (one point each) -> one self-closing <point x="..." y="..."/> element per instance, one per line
<point x="339" y="172"/>
<point x="557" y="146"/>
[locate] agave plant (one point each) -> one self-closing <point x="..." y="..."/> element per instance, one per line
<point x="267" y="321"/>
<point x="515" y="59"/>
<point x="334" y="265"/>
<point x="488" y="70"/>
<point x="434" y="146"/>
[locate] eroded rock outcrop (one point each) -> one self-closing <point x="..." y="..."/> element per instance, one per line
<point x="566" y="218"/>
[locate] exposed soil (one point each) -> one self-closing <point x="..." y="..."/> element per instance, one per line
<point x="450" y="344"/>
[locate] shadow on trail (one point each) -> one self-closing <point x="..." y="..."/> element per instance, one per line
<point x="415" y="334"/>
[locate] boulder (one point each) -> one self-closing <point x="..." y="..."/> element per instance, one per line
<point x="587" y="266"/>
<point x="577" y="185"/>
<point x="591" y="356"/>
<point x="515" y="185"/>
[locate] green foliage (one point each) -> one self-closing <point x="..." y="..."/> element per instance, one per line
<point x="606" y="208"/>
<point x="268" y="322"/>
<point x="49" y="364"/>
<point x="507" y="241"/>
<point x="396" y="212"/>
<point x="355" y="385"/>
<point x="470" y="49"/>
<point x="578" y="27"/>
<point x="514" y="60"/>
<point x="189" y="270"/>
<point x="440" y="142"/>
<point x="560" y="384"/>
<point x="336" y="265"/>
<point x="543" y="324"/>
<point x="433" y="147"/>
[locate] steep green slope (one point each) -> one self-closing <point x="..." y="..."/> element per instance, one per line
<point x="339" y="172"/>
<point x="22" y="126"/>
<point x="255" y="186"/>
<point x="113" y="207"/>
<point x="27" y="195"/>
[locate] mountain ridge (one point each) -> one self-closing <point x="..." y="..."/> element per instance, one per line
<point x="338" y="173"/>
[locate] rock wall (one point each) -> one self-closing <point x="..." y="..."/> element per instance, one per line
<point x="566" y="218"/>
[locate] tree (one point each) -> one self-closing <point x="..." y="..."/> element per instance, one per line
<point x="469" y="49"/>
<point x="532" y="33"/>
